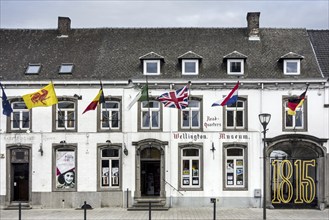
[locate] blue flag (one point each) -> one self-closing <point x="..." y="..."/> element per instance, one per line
<point x="5" y="103"/>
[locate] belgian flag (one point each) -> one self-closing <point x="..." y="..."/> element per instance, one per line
<point x="97" y="100"/>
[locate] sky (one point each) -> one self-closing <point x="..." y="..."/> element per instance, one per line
<point x="34" y="14"/>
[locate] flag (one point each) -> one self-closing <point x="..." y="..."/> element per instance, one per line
<point x="42" y="98"/>
<point x="230" y="99"/>
<point x="6" y="107"/>
<point x="98" y="99"/>
<point x="295" y="102"/>
<point x="143" y="95"/>
<point x="175" y="99"/>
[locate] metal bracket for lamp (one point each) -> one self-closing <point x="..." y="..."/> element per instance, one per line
<point x="125" y="150"/>
<point x="41" y="150"/>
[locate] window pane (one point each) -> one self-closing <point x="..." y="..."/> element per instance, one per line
<point x="19" y="105"/>
<point x="239" y="176"/>
<point x="113" y="105"/>
<point x="115" y="119"/>
<point x="190" y="152"/>
<point x="288" y="120"/>
<point x="153" y="104"/>
<point x="110" y="153"/>
<point x="234" y="152"/>
<point x="155" y="119"/>
<point x="299" y="118"/>
<point x="195" y="172"/>
<point x="239" y="118"/>
<point x="115" y="173"/>
<point x="105" y="172"/>
<point x="16" y="119"/>
<point x="186" y="118"/>
<point x="146" y="119"/>
<point x="151" y="67"/>
<point x="33" y="69"/>
<point x="70" y="119"/>
<point x="26" y="120"/>
<point x="229" y="118"/>
<point x="236" y="67"/>
<point x="60" y="119"/>
<point x="190" y="67"/>
<point x="291" y="67"/>
<point x="66" y="68"/>
<point x="63" y="105"/>
<point x="195" y="118"/>
<point x="105" y="119"/>
<point x="192" y="103"/>
<point x="239" y="104"/>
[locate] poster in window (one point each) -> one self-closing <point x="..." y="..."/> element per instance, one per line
<point x="230" y="179"/>
<point x="105" y="176"/>
<point x="230" y="166"/>
<point x="115" y="176"/>
<point x="186" y="181"/>
<point x="195" y="181"/>
<point x="239" y="176"/>
<point x="65" y="169"/>
<point x="186" y="172"/>
<point x="195" y="172"/>
<point x="239" y="163"/>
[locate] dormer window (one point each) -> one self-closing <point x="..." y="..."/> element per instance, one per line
<point x="291" y="67"/>
<point x="291" y="63"/>
<point x="190" y="62"/>
<point x="151" y="67"/>
<point x="66" y="68"/>
<point x="190" y="67"/>
<point x="33" y="69"/>
<point x="235" y="66"/>
<point x="152" y="63"/>
<point x="235" y="63"/>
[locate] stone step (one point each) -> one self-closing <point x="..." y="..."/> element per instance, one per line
<point x="15" y="206"/>
<point x="160" y="208"/>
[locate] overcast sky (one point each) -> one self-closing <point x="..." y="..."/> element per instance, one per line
<point x="310" y="14"/>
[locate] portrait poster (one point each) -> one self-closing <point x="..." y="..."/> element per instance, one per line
<point x="65" y="163"/>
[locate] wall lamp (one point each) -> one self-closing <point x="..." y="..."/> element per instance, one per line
<point x="125" y="150"/>
<point x="79" y="97"/>
<point x="62" y="142"/>
<point x="108" y="141"/>
<point x="41" y="150"/>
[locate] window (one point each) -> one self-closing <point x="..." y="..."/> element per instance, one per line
<point x="109" y="167"/>
<point x="110" y="115"/>
<point x="297" y="121"/>
<point x="190" y="67"/>
<point x="190" y="117"/>
<point x="65" y="115"/>
<point x="235" y="66"/>
<point x="151" y="67"/>
<point x="235" y="115"/>
<point x="33" y="69"/>
<point x="190" y="169"/>
<point x="150" y="115"/>
<point x="20" y="119"/>
<point x="65" y="168"/>
<point x="235" y="167"/>
<point x="66" y="68"/>
<point x="291" y="67"/>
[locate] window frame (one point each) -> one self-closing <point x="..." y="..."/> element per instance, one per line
<point x="284" y="116"/>
<point x="146" y="62"/>
<point x="10" y="119"/>
<point x="285" y="63"/>
<point x="100" y="112"/>
<point x="191" y="109"/>
<point x="33" y="65"/>
<point x="229" y="61"/>
<point x="199" y="147"/>
<point x="64" y="147"/>
<point x="102" y="147"/>
<point x="235" y="109"/>
<point x="195" y="61"/>
<point x="140" y="116"/>
<point x="244" y="147"/>
<point x="55" y="120"/>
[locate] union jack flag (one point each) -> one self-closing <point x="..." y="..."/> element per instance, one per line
<point x="175" y="99"/>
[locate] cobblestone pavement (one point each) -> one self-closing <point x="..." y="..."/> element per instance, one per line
<point x="172" y="213"/>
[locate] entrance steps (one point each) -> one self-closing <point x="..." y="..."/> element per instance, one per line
<point x="142" y="204"/>
<point x="15" y="206"/>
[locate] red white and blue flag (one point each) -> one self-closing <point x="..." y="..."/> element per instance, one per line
<point x="175" y="99"/>
<point x="230" y="99"/>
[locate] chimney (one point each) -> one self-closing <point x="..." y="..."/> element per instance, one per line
<point x="64" y="26"/>
<point x="253" y="25"/>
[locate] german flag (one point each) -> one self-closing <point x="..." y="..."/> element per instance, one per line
<point x="295" y="102"/>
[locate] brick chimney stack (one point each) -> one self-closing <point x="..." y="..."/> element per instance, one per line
<point x="64" y="26"/>
<point x="253" y="25"/>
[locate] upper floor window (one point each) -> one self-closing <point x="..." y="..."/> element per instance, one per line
<point x="150" y="115"/>
<point x="235" y="66"/>
<point x="235" y="167"/>
<point x="190" y="117"/>
<point x="65" y="115"/>
<point x="235" y="115"/>
<point x="151" y="67"/>
<point x="190" y="169"/>
<point x="109" y="167"/>
<point x="66" y="68"/>
<point x="65" y="168"/>
<point x="110" y="115"/>
<point x="33" y="69"/>
<point x="20" y="119"/>
<point x="291" y="67"/>
<point x="297" y="121"/>
<point x="190" y="67"/>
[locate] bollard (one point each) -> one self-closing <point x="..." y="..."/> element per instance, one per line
<point x="19" y="211"/>
<point x="213" y="200"/>
<point x="85" y="211"/>
<point x="127" y="198"/>
<point x="150" y="217"/>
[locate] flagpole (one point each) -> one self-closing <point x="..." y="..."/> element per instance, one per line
<point x="148" y="103"/>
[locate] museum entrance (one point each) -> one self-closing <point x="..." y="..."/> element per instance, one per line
<point x="150" y="178"/>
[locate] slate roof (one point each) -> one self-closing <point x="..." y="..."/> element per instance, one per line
<point x="320" y="42"/>
<point x="114" y="53"/>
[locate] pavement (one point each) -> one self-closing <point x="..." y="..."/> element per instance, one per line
<point x="172" y="213"/>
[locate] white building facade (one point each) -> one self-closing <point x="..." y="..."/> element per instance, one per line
<point x="55" y="157"/>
